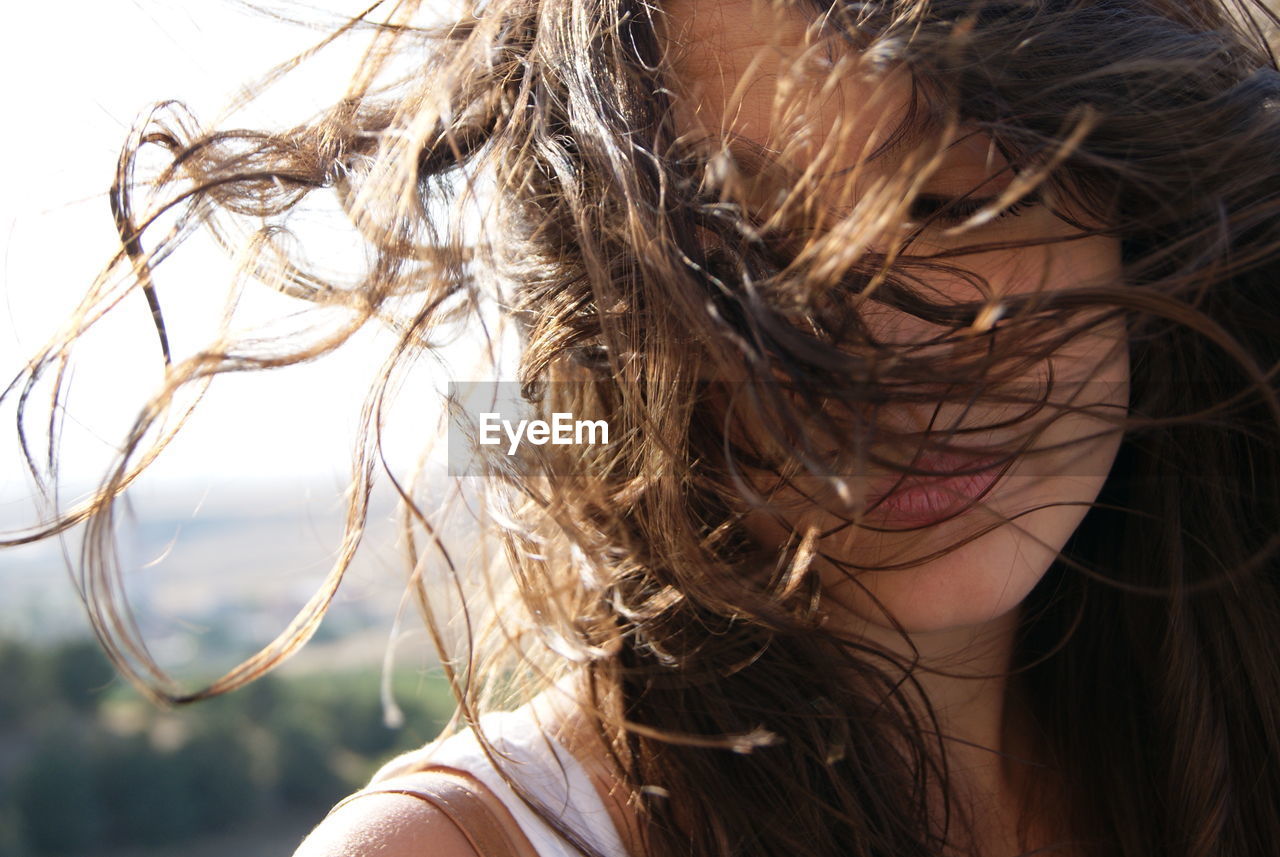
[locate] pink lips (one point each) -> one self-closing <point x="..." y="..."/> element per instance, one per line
<point x="926" y="498"/>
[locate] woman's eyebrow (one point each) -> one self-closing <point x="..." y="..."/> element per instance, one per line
<point x="972" y="150"/>
<point x="907" y="136"/>
<point x="756" y="156"/>
<point x="750" y="153"/>
<point x="757" y="160"/>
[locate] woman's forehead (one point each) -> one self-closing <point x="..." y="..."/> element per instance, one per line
<point x="755" y="70"/>
<point x="757" y="76"/>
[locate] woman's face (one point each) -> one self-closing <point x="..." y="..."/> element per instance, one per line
<point x="749" y="78"/>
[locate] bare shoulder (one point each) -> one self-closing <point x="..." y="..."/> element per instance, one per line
<point x="386" y="824"/>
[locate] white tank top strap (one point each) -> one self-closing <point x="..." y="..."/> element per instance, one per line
<point x="544" y="768"/>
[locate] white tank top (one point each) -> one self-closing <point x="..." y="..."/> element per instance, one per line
<point x="548" y="771"/>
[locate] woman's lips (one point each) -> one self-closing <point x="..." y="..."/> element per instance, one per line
<point x="951" y="483"/>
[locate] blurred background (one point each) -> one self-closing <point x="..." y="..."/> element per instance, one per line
<point x="237" y="523"/>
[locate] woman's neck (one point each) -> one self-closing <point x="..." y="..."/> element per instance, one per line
<point x="963" y="674"/>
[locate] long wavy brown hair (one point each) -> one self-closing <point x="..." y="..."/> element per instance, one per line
<point x="688" y="291"/>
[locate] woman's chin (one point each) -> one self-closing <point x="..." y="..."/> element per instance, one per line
<point x="897" y="574"/>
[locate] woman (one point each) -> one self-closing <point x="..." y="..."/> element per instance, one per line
<point x="936" y="345"/>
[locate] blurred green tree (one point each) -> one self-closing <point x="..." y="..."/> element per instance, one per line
<point x="217" y="765"/>
<point x="25" y="688"/>
<point x="145" y="792"/>
<point x="12" y="838"/>
<point x="54" y="792"/>
<point x="80" y="674"/>
<point x="306" y="774"/>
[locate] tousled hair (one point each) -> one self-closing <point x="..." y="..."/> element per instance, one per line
<point x="660" y="282"/>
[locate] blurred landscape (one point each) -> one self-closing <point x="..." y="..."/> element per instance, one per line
<point x="235" y="527"/>
<point x="89" y="768"/>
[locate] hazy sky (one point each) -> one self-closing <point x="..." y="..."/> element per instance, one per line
<point x="76" y="75"/>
